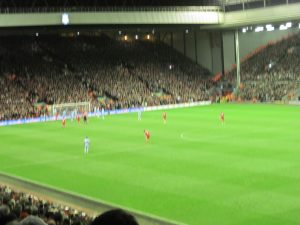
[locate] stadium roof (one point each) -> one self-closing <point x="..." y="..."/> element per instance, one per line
<point x="207" y="14"/>
<point x="103" y="3"/>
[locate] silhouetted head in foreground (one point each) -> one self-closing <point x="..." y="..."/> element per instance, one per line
<point x="115" y="217"/>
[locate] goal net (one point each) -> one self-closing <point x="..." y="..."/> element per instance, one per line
<point x="70" y="109"/>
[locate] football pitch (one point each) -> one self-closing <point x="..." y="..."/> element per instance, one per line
<point x="194" y="170"/>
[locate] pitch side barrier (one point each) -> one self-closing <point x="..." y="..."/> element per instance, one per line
<point x="294" y="102"/>
<point x="174" y="106"/>
<point x="107" y="112"/>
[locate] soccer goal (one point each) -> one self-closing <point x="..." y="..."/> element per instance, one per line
<point x="70" y="109"/>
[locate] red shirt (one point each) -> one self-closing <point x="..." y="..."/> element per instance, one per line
<point x="222" y="116"/>
<point x="147" y="134"/>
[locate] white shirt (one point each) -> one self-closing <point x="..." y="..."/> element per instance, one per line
<point x="86" y="142"/>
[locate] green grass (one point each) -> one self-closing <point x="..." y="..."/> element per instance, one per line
<point x="194" y="170"/>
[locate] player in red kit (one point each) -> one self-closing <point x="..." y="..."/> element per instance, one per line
<point x="63" y="122"/>
<point x="222" y="117"/>
<point x="164" y="117"/>
<point x="147" y="135"/>
<point x="78" y="119"/>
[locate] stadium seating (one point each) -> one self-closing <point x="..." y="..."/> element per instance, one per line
<point x="123" y="74"/>
<point x="270" y="74"/>
<point x="54" y="70"/>
<point x="18" y="208"/>
<point x="25" y="208"/>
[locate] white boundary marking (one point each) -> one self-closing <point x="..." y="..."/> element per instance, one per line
<point x="110" y="204"/>
<point x="114" y="205"/>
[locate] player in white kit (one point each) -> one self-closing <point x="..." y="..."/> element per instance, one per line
<point x="102" y="113"/>
<point x="86" y="145"/>
<point x="139" y="115"/>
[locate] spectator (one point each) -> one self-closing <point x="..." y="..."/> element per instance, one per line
<point x="115" y="217"/>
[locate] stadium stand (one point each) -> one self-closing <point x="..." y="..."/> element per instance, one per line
<point x="54" y="70"/>
<point x="119" y="74"/>
<point x="271" y="73"/>
<point x="21" y="208"/>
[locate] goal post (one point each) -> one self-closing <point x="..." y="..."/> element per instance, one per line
<point x="68" y="109"/>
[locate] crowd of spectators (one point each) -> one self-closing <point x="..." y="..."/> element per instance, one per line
<point x="115" y="74"/>
<point x="272" y="73"/>
<point x="56" y="70"/>
<point x="18" y="208"/>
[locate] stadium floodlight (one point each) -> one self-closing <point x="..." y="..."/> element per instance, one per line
<point x="244" y="30"/>
<point x="282" y="27"/>
<point x="65" y="19"/>
<point x="288" y="24"/>
<point x="259" y="29"/>
<point x="270" y="27"/>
